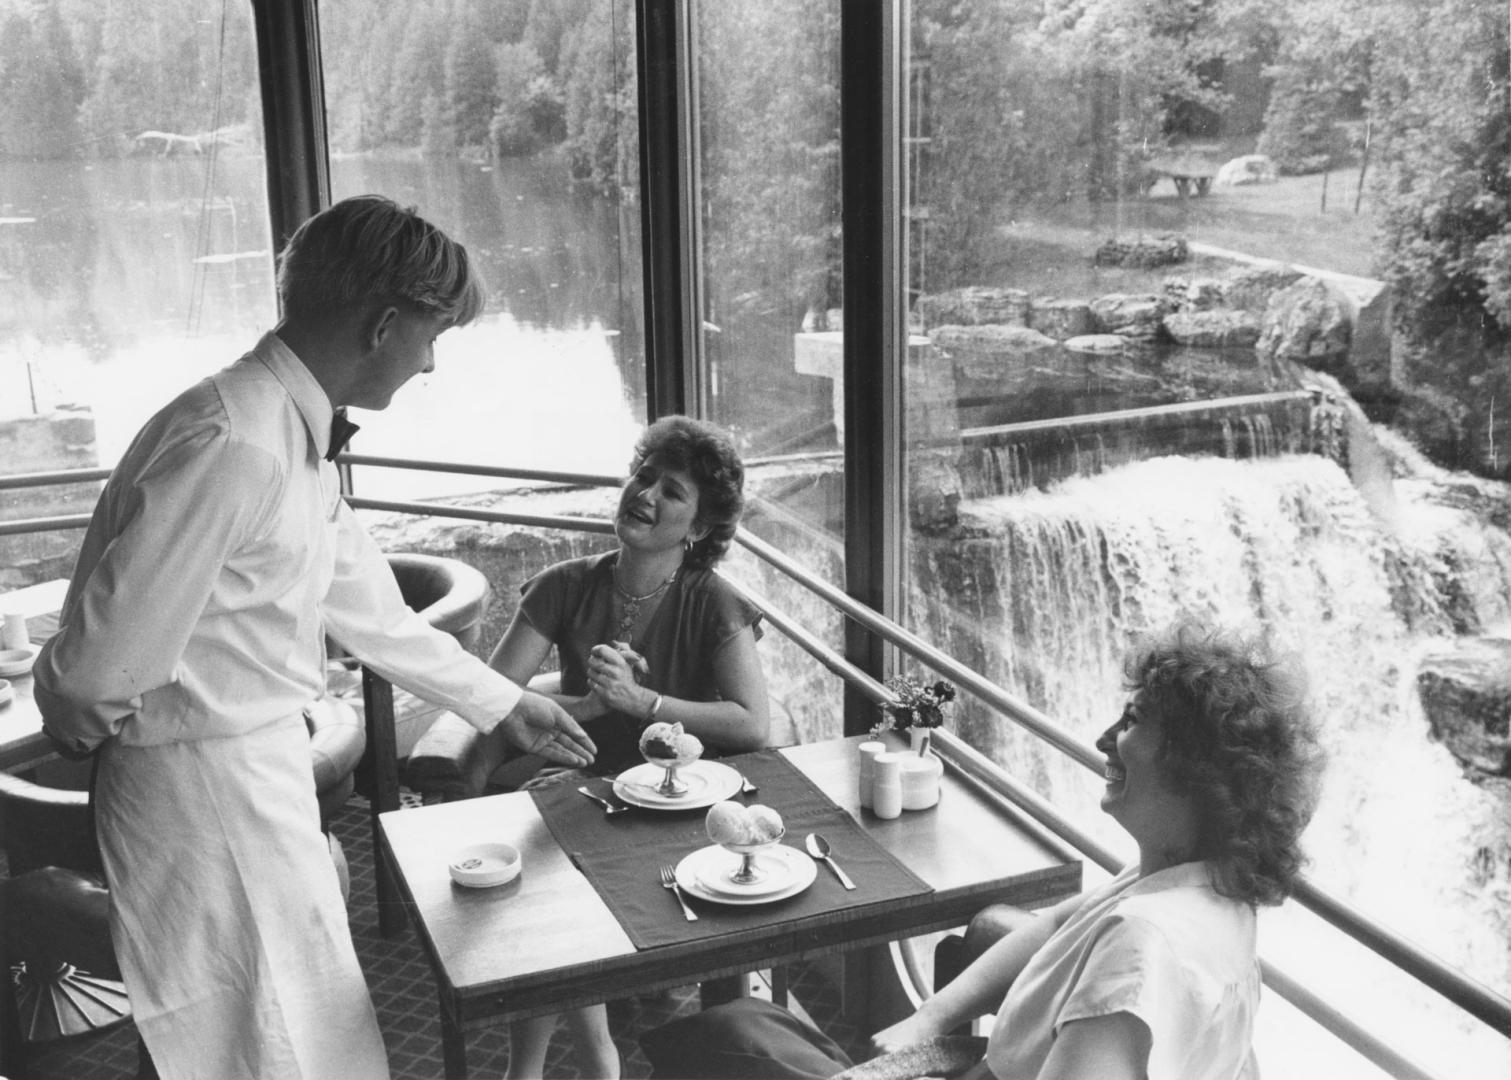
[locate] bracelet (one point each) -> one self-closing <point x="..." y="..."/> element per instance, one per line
<point x="650" y="713"/>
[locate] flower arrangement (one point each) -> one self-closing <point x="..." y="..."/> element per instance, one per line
<point x="916" y="704"/>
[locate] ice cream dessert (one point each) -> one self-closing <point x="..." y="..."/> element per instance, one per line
<point x="733" y="825"/>
<point x="668" y="745"/>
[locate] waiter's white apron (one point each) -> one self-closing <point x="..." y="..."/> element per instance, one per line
<point x="227" y="914"/>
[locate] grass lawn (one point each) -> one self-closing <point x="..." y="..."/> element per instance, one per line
<point x="1287" y="220"/>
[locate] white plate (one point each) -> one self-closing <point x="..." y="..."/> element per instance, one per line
<point x="783" y="866"/>
<point x="797" y="869"/>
<point x="707" y="782"/>
<point x="14" y="662"/>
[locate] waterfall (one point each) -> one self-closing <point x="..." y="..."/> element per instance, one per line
<point x="1047" y="589"/>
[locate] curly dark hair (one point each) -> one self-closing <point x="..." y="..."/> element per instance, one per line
<point x="1240" y="741"/>
<point x="707" y="455"/>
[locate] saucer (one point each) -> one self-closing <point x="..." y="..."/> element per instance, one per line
<point x="707" y="782"/>
<point x="705" y="874"/>
<point x="14" y="662"/>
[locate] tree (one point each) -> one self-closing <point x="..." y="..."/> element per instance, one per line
<point x="43" y="85"/>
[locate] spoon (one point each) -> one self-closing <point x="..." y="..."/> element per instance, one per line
<point x="818" y="847"/>
<point x="609" y="809"/>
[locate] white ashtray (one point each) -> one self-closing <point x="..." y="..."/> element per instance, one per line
<point x="6" y="693"/>
<point x="482" y="866"/>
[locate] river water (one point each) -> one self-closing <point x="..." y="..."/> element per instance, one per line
<point x="124" y="283"/>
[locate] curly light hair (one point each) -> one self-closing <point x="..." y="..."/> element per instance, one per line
<point x="369" y="248"/>
<point x="1240" y="741"/>
<point x="707" y="455"/>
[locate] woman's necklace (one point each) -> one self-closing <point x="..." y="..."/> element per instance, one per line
<point x="630" y="605"/>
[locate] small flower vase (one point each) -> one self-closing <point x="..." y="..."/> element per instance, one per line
<point x="921" y="772"/>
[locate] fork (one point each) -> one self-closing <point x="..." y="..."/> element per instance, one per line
<point x="669" y="881"/>
<point x="746" y="787"/>
<point x="609" y="809"/>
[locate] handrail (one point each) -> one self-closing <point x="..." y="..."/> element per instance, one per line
<point x="1464" y="992"/>
<point x="45" y="479"/>
<point x="1125" y="416"/>
<point x="46" y="524"/>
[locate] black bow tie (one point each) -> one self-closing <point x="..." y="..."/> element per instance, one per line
<point x="342" y="430"/>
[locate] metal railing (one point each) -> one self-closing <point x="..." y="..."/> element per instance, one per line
<point x="1454" y="986"/>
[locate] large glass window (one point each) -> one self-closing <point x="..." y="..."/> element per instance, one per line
<point x="134" y="244"/>
<point x="1210" y="319"/>
<point x="512" y="125"/>
<point x="768" y="186"/>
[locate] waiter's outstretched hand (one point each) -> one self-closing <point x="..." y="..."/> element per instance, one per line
<point x="538" y="725"/>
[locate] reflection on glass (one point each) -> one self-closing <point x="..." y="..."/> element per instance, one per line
<point x="134" y="244"/>
<point x="1153" y="370"/>
<point x="512" y="126"/>
<point x="769" y="188"/>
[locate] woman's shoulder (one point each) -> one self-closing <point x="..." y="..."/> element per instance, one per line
<point x="583" y="568"/>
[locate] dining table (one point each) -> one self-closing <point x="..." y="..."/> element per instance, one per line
<point x="22" y="743"/>
<point x="587" y="918"/>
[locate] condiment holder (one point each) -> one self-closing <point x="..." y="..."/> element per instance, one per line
<point x="6" y="693"/>
<point x="917" y="778"/>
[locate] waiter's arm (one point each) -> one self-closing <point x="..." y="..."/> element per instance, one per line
<point x="365" y="613"/>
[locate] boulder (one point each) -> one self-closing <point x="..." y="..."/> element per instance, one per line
<point x="1252" y="289"/>
<point x="983" y="356"/>
<point x="1213" y="329"/>
<point x="1097" y="344"/>
<point x="1060" y="319"/>
<point x="1143" y="252"/>
<point x="1466" y="695"/>
<point x="1194" y="294"/>
<point x="974" y="305"/>
<point x="1136" y="316"/>
<point x="1247" y="169"/>
<point x="1307" y="324"/>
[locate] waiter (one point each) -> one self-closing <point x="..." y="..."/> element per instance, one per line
<point x="220" y="557"/>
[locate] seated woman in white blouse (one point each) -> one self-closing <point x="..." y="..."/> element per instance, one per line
<point x="1213" y="770"/>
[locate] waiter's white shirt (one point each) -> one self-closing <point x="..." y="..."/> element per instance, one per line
<point x="202" y="596"/>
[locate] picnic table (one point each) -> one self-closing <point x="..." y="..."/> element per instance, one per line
<point x="1187" y="172"/>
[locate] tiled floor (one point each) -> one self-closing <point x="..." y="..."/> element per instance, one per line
<point x="404" y="995"/>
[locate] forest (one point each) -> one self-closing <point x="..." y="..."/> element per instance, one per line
<point x="1019" y="106"/>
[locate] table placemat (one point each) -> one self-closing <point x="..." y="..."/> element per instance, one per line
<point x="621" y="855"/>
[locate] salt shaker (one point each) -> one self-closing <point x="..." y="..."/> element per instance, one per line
<point x="868" y="752"/>
<point x="886" y="786"/>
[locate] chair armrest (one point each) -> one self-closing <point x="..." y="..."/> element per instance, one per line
<point x="448" y="760"/>
<point x="956" y="952"/>
<point x="45" y="826"/>
<point x="453" y="760"/>
<point x="336" y="741"/>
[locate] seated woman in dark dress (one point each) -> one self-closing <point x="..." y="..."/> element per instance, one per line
<point x="646" y="633"/>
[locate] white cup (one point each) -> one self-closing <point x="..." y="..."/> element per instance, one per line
<point x="868" y="752"/>
<point x="886" y="786"/>
<point x="14" y="635"/>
